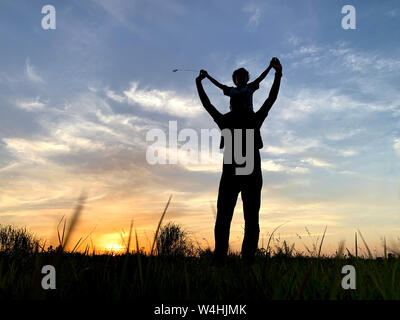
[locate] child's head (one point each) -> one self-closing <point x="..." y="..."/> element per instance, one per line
<point x="240" y="77"/>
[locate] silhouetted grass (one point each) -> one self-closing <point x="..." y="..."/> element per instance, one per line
<point x="179" y="271"/>
<point x="140" y="276"/>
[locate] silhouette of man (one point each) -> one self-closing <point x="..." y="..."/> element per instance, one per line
<point x="240" y="118"/>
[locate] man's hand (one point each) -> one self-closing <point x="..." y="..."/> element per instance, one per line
<point x="276" y="64"/>
<point x="202" y="75"/>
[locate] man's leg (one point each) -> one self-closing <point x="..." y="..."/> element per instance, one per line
<point x="251" y="197"/>
<point x="227" y="197"/>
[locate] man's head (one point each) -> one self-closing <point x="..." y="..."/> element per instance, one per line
<point x="240" y="77"/>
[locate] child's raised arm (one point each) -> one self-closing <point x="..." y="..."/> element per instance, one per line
<point x="213" y="81"/>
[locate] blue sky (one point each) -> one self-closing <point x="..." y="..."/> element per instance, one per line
<point x="76" y="103"/>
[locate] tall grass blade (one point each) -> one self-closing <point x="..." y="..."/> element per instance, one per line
<point x="139" y="260"/>
<point x="339" y="253"/>
<point x="129" y="239"/>
<point x="384" y="248"/>
<point x="270" y="237"/>
<point x="74" y="220"/>
<point x="58" y="231"/>
<point x="356" y="245"/>
<point x="159" y="225"/>
<point x="63" y="233"/>
<point x="365" y="244"/>
<point x="80" y="242"/>
<point x="322" y="240"/>
<point x="76" y="245"/>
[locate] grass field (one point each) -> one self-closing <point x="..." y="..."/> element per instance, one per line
<point x="175" y="269"/>
<point x="184" y="277"/>
<point x="137" y="276"/>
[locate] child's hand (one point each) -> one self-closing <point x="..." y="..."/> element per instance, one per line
<point x="276" y="64"/>
<point x="201" y="75"/>
<point x="204" y="72"/>
<point x="271" y="63"/>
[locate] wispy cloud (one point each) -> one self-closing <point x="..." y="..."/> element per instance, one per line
<point x="30" y="105"/>
<point x="289" y="143"/>
<point x="119" y="10"/>
<point x="31" y="74"/>
<point x="255" y="15"/>
<point x="318" y="162"/>
<point x="33" y="150"/>
<point x="396" y="146"/>
<point x="347" y="152"/>
<point x="157" y="100"/>
<point x="392" y="13"/>
<point x="274" y="166"/>
<point x="153" y="11"/>
<point x="342" y="134"/>
<point x="339" y="58"/>
<point x="293" y="40"/>
<point x="309" y="50"/>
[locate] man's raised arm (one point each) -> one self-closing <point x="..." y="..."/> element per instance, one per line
<point x="214" y="113"/>
<point x="273" y="93"/>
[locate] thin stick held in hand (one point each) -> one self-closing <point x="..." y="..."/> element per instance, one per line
<point x="190" y="70"/>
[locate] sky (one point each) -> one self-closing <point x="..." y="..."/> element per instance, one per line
<point x="77" y="102"/>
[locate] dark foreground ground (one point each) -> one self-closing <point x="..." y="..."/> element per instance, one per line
<point x="158" y="278"/>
